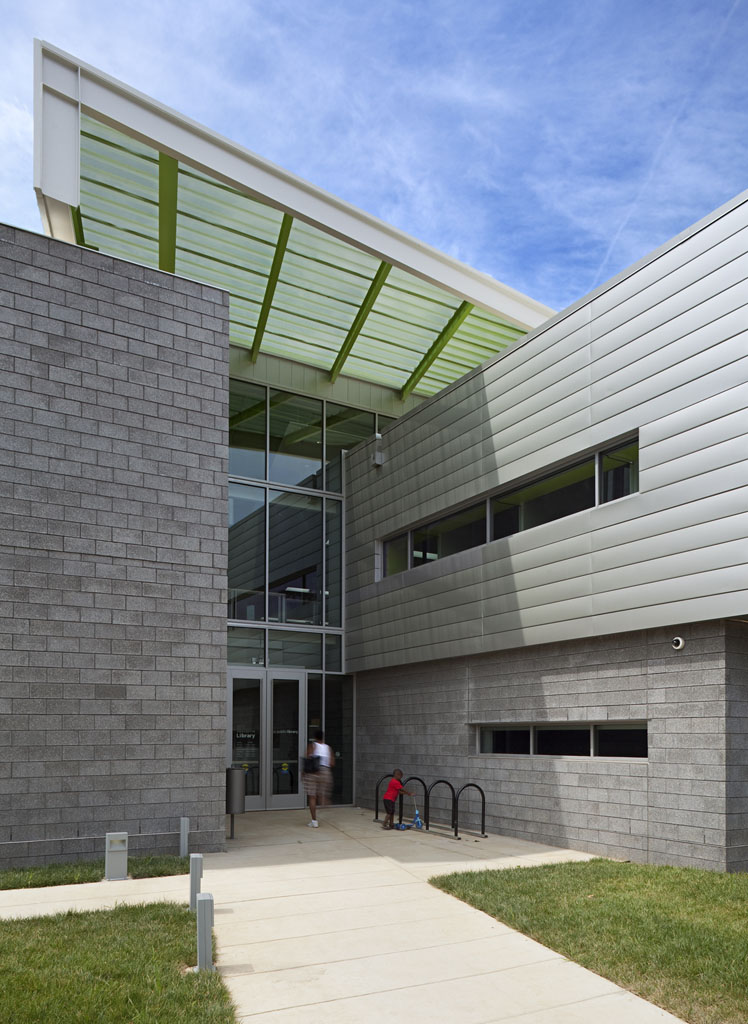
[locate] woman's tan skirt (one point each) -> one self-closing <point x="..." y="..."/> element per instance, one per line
<point x="319" y="784"/>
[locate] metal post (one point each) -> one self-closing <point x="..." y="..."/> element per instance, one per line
<point x="205" y="932"/>
<point x="196" y="873"/>
<point x="376" y="794"/>
<point x="236" y="783"/>
<point x="115" y="856"/>
<point x="184" y="836"/>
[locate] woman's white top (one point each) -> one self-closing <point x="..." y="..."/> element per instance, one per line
<point x="323" y="752"/>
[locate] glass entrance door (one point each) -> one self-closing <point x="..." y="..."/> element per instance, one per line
<point x="285" y="748"/>
<point x="246" y="732"/>
<point x="265" y="735"/>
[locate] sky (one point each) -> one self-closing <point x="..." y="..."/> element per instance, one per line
<point x="549" y="143"/>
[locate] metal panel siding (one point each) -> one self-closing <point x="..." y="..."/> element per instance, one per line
<point x="672" y="542"/>
<point x="642" y="296"/>
<point x="705" y="435"/>
<point x="612" y="396"/>
<point x="663" y="351"/>
<point x="696" y="464"/>
<point x="703" y="301"/>
<point x="713" y="407"/>
<point x="704" y="606"/>
<point x="651" y="353"/>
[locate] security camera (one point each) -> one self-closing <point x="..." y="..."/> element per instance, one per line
<point x="678" y="643"/>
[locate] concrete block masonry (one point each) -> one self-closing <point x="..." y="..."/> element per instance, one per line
<point x="114" y="427"/>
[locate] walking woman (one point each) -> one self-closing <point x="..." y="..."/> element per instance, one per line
<point x="319" y="764"/>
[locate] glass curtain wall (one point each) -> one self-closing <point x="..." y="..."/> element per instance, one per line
<point x="330" y="708"/>
<point x="286" y="512"/>
<point x="333" y="563"/>
<point x="246" y="594"/>
<point x="286" y="515"/>
<point x="295" y="440"/>
<point x="344" y="428"/>
<point x="247" y="428"/>
<point x="290" y="439"/>
<point x="285" y="599"/>
<point x="295" y="545"/>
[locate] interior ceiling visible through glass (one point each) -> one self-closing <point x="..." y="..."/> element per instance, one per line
<point x="295" y="291"/>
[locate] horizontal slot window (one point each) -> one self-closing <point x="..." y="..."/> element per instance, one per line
<point x="463" y="530"/>
<point x="602" y="477"/>
<point x="563" y="742"/>
<point x="552" y="498"/>
<point x="505" y="741"/>
<point x="619" y="740"/>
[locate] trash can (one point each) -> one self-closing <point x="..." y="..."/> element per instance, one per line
<point x="235" y="790"/>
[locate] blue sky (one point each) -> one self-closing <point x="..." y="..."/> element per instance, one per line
<point x="550" y="144"/>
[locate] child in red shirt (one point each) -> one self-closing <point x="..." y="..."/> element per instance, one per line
<point x="391" y="794"/>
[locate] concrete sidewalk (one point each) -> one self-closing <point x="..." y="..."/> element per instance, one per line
<point x="340" y="923"/>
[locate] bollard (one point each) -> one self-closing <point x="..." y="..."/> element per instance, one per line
<point x="205" y="932"/>
<point x="236" y="784"/>
<point x="115" y="856"/>
<point x="184" y="836"/>
<point x="196" y="873"/>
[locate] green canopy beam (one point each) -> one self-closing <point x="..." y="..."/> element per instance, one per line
<point x="456" y="320"/>
<point x="80" y="238"/>
<point x="366" y="306"/>
<point x="275" y="269"/>
<point x="168" y="172"/>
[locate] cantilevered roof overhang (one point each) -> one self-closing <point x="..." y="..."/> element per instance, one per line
<point x="310" y="278"/>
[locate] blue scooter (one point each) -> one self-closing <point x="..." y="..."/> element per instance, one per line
<point x="415" y="823"/>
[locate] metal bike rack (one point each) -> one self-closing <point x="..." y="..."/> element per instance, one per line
<point x="427" y="801"/>
<point x="427" y="804"/>
<point x="376" y="794"/>
<point x="410" y="778"/>
<point x="456" y="806"/>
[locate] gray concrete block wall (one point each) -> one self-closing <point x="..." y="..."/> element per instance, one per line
<point x="113" y="462"/>
<point x="737" y="745"/>
<point x="675" y="807"/>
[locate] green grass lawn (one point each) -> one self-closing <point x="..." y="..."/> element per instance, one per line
<point x="91" y="871"/>
<point x="676" y="936"/>
<point x="122" y="966"/>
